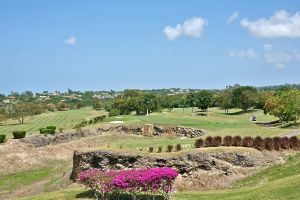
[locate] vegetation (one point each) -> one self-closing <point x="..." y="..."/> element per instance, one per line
<point x="2" y="138"/>
<point x="19" y="134"/>
<point x="276" y="182"/>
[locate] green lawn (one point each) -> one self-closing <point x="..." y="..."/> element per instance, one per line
<point x="218" y="123"/>
<point x="60" y="119"/>
<point x="236" y="123"/>
<point x="276" y="182"/>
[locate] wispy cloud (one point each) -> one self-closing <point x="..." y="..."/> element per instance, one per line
<point x="233" y="17"/>
<point x="281" y="25"/>
<point x="193" y="27"/>
<point x="279" y="59"/>
<point x="71" y="40"/>
<point x="249" y="53"/>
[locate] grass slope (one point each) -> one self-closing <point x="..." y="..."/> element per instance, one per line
<point x="60" y="119"/>
<point x="276" y="182"/>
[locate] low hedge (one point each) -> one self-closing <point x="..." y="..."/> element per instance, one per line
<point x="2" y="138"/>
<point x="47" y="131"/>
<point x="19" y="134"/>
<point x="51" y="127"/>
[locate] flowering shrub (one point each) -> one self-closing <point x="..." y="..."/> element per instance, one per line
<point x="134" y="182"/>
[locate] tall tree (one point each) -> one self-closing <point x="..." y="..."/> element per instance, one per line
<point x="244" y="97"/>
<point x="225" y="100"/>
<point x="192" y="101"/>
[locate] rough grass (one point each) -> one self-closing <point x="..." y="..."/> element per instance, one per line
<point x="276" y="182"/>
<point x="60" y="119"/>
<point x="30" y="182"/>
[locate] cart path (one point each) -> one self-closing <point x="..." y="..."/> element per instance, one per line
<point x="291" y="133"/>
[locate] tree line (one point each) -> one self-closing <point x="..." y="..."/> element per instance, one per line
<point x="283" y="103"/>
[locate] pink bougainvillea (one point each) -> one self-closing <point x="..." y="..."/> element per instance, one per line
<point x="134" y="181"/>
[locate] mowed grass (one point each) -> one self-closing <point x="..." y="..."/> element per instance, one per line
<point x="276" y="182"/>
<point x="60" y="119"/>
<point x="218" y="123"/>
<point x="235" y="123"/>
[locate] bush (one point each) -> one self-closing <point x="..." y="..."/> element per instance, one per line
<point x="208" y="141"/>
<point x="150" y="149"/>
<point x="135" y="181"/>
<point x="51" y="127"/>
<point x="199" y="143"/>
<point x="269" y="145"/>
<point x="293" y="142"/>
<point x="99" y="118"/>
<point x="236" y="141"/>
<point x="247" y="142"/>
<point x="159" y="149"/>
<point x="114" y="112"/>
<point x="258" y="143"/>
<point x="216" y="141"/>
<point x="178" y="147"/>
<point x="46" y="131"/>
<point x="277" y="143"/>
<point x="227" y="141"/>
<point x="170" y="148"/>
<point x="19" y="134"/>
<point x="2" y="138"/>
<point x="285" y="143"/>
<point x="60" y="130"/>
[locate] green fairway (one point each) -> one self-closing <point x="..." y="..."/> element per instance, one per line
<point x="235" y="123"/>
<point x="60" y="119"/>
<point x="276" y="182"/>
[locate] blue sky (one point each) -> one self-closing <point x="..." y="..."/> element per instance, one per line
<point x="102" y="45"/>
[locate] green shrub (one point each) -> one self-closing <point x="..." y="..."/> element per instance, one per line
<point x="19" y="134"/>
<point x="51" y="127"/>
<point x="2" y="138"/>
<point x="114" y="112"/>
<point x="47" y="131"/>
<point x="99" y="118"/>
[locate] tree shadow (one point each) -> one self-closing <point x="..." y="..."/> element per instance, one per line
<point x="90" y="195"/>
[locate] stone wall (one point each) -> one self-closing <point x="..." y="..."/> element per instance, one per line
<point x="211" y="166"/>
<point x="41" y="140"/>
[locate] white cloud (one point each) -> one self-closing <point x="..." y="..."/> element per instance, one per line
<point x="281" y="24"/>
<point x="267" y="47"/>
<point x="233" y="17"/>
<point x="279" y="59"/>
<point x="193" y="27"/>
<point x="297" y="56"/>
<point x="249" y="53"/>
<point x="71" y="40"/>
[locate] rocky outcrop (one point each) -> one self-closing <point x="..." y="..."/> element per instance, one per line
<point x="44" y="140"/>
<point x="209" y="166"/>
